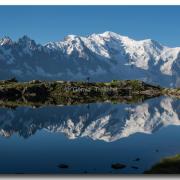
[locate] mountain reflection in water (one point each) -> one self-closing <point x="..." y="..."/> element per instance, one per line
<point x="108" y="122"/>
<point x="97" y="135"/>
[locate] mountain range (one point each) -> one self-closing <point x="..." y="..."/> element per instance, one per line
<point x="102" y="57"/>
<point x="107" y="122"/>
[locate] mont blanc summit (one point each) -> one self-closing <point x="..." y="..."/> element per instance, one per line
<point x="102" y="57"/>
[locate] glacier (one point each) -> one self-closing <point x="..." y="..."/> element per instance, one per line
<point x="102" y="57"/>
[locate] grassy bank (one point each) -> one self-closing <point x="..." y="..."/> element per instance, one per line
<point x="169" y="165"/>
<point x="38" y="92"/>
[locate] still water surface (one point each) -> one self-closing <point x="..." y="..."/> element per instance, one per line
<point x="89" y="138"/>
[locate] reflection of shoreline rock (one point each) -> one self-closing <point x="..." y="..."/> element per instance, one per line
<point x="118" y="166"/>
<point x="63" y="166"/>
<point x="108" y="122"/>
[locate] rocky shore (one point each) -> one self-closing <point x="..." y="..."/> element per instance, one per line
<point x="68" y="92"/>
<point x="168" y="165"/>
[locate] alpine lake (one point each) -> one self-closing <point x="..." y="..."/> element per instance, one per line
<point x="68" y="130"/>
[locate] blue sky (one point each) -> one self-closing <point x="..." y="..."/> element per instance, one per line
<point x="52" y="23"/>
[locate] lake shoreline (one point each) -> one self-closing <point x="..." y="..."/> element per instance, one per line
<point x="38" y="93"/>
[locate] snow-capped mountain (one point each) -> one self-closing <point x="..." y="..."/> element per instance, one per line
<point x="107" y="122"/>
<point x="102" y="57"/>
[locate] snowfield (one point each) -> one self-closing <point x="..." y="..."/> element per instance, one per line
<point x="102" y="57"/>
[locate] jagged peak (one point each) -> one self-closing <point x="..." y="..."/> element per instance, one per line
<point x="6" y="40"/>
<point x="26" y="41"/>
<point x="25" y="38"/>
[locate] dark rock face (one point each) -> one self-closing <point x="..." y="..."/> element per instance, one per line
<point x="12" y="90"/>
<point x="9" y="93"/>
<point x="36" y="90"/>
<point x="35" y="93"/>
